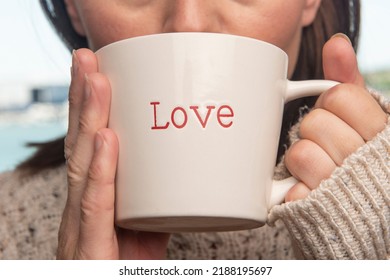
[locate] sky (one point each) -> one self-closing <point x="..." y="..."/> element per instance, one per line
<point x="374" y="50"/>
<point x="30" y="52"/>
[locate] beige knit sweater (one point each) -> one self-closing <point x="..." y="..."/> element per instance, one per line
<point x="346" y="217"/>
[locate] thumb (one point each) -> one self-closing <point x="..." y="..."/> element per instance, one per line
<point x="340" y="62"/>
<point x="97" y="234"/>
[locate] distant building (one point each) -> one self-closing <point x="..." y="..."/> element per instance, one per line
<point x="19" y="98"/>
<point x="50" y="94"/>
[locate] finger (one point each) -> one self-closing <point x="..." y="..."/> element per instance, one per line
<point x="93" y="117"/>
<point x="298" y="191"/>
<point x="83" y="62"/>
<point x="356" y="107"/>
<point x="331" y="133"/>
<point x="309" y="163"/>
<point x="97" y="233"/>
<point x="340" y="62"/>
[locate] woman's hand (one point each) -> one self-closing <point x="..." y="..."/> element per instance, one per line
<point x="343" y="119"/>
<point x="87" y="229"/>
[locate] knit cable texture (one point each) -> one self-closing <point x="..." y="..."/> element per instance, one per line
<point x="30" y="214"/>
<point x="348" y="215"/>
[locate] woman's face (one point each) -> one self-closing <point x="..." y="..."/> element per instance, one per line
<point x="276" y="21"/>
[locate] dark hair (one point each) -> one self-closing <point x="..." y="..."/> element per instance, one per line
<point x="334" y="16"/>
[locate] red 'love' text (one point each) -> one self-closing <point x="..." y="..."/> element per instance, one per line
<point x="179" y="116"/>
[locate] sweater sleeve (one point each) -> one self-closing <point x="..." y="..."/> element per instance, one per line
<point x="30" y="213"/>
<point x="348" y="215"/>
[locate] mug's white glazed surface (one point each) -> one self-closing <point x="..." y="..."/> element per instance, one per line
<point x="198" y="118"/>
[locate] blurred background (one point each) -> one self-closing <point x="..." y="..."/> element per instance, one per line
<point x="35" y="70"/>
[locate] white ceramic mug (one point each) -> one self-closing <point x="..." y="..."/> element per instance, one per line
<point x="198" y="118"/>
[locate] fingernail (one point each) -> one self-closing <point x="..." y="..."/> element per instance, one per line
<point x="342" y="35"/>
<point x="98" y="141"/>
<point x="88" y="87"/>
<point x="75" y="63"/>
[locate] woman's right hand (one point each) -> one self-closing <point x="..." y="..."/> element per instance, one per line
<point x="87" y="229"/>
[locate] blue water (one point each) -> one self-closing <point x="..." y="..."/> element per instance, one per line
<point x="13" y="138"/>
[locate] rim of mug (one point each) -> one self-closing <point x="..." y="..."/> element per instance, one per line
<point x="200" y="34"/>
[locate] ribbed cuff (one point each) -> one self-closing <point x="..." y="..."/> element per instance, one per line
<point x="348" y="215"/>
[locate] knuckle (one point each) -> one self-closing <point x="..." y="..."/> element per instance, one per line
<point x="83" y="124"/>
<point x="88" y="207"/>
<point x="75" y="172"/>
<point x="299" y="156"/>
<point x="87" y="123"/>
<point x="337" y="97"/>
<point x="88" y="120"/>
<point x="99" y="80"/>
<point x="68" y="147"/>
<point x="74" y="99"/>
<point x="311" y="121"/>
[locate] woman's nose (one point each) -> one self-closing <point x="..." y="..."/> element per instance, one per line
<point x="192" y="16"/>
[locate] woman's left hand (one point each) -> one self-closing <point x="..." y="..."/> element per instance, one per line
<point x="343" y="119"/>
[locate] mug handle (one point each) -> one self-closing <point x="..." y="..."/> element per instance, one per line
<point x="295" y="90"/>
